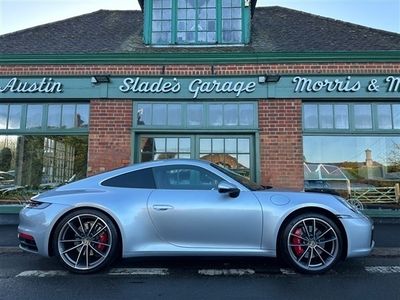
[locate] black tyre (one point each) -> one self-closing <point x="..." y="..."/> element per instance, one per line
<point x="85" y="241"/>
<point x="311" y="243"/>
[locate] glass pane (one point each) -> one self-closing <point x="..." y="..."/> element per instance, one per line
<point x="14" y="117"/>
<point x="231" y="114"/>
<point x="147" y="149"/>
<point x="362" y="116"/>
<point x="68" y="116"/>
<point x="174" y="114"/>
<point x="34" y="116"/>
<point x="230" y="146"/>
<point x="244" y="161"/>
<point x="184" y="145"/>
<point x="217" y="146"/>
<point x="341" y="116"/>
<point x="159" y="145"/>
<point x="246" y="114"/>
<point x="384" y="116"/>
<point x="82" y="115"/>
<point x="205" y="145"/>
<point x="365" y="168"/>
<point x="310" y="116"/>
<point x="396" y="116"/>
<point x="54" y="116"/>
<point x="144" y="114"/>
<point x="172" y="145"/>
<point x="195" y="114"/>
<point x="159" y="114"/>
<point x="215" y="115"/>
<point x="326" y="116"/>
<point x="3" y="116"/>
<point x="184" y="155"/>
<point x="243" y="146"/>
<point x="36" y="160"/>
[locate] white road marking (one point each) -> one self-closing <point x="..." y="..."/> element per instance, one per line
<point x="219" y="272"/>
<point x="39" y="273"/>
<point x="138" y="271"/>
<point x="288" y="271"/>
<point x="383" y="269"/>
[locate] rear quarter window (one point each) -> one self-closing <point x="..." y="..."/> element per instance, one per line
<point x="139" y="179"/>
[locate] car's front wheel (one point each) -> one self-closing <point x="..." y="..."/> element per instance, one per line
<point x="311" y="243"/>
<point x="85" y="241"/>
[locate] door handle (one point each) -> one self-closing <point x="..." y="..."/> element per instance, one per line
<point x="162" y="207"/>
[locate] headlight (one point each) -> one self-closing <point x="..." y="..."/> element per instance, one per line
<point x="37" y="204"/>
<point x="347" y="204"/>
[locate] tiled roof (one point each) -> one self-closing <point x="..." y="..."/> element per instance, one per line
<point x="274" y="29"/>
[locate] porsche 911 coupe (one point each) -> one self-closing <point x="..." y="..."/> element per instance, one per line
<point x="189" y="208"/>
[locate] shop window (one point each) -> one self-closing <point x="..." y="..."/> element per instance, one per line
<point x="364" y="168"/>
<point x="362" y="163"/>
<point x="43" y="117"/>
<point x="32" y="163"/>
<point x="186" y="115"/>
<point x="197" y="22"/>
<point x="351" y="117"/>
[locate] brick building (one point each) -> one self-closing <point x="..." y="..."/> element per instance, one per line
<point x="284" y="97"/>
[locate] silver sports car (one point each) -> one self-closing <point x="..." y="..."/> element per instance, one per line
<point x="189" y="207"/>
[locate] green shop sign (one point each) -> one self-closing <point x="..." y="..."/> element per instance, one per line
<point x="252" y="87"/>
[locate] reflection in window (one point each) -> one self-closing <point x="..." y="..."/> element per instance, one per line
<point x="41" y="161"/>
<point x="201" y="115"/>
<point x="14" y="117"/>
<point x="353" y="165"/>
<point x="197" y="22"/>
<point x="164" y="148"/>
<point x="341" y="116"/>
<point x="3" y="116"/>
<point x="185" y="178"/>
<point x="54" y="116"/>
<point x="232" y="153"/>
<point x="326" y="116"/>
<point x="362" y="116"/>
<point x="34" y="116"/>
<point x="68" y="116"/>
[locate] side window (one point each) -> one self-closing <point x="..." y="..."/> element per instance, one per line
<point x="185" y="178"/>
<point x="140" y="179"/>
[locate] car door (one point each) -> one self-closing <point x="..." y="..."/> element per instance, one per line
<point x="188" y="211"/>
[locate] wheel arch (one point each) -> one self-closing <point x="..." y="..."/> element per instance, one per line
<point x="117" y="227"/>
<point x="318" y="210"/>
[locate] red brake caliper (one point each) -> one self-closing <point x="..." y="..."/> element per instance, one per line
<point x="103" y="238"/>
<point x="297" y="242"/>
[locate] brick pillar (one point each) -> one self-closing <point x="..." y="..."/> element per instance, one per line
<point x="281" y="143"/>
<point x="109" y="135"/>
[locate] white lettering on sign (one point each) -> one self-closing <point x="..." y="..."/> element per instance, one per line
<point x="394" y="84"/>
<point x="199" y="86"/>
<point x="196" y="86"/>
<point x="47" y="85"/>
<point x="304" y="84"/>
<point x="160" y="86"/>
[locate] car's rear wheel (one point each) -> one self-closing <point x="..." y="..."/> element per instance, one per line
<point x="86" y="241"/>
<point x="311" y="243"/>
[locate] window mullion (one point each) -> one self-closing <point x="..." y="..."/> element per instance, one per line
<point x="218" y="4"/>
<point x="174" y="22"/>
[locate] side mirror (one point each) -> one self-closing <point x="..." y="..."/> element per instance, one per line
<point x="225" y="187"/>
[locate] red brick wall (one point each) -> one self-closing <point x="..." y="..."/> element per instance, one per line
<point x="226" y="69"/>
<point x="109" y="135"/>
<point x="281" y="146"/>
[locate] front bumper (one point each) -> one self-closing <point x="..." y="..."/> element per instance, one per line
<point x="359" y="232"/>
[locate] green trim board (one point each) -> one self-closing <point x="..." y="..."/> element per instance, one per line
<point x="203" y="87"/>
<point x="237" y="55"/>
